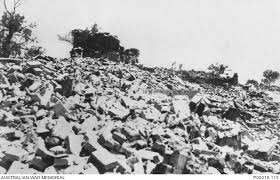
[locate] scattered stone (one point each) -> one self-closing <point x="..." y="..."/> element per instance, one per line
<point x="262" y="149"/>
<point x="62" y="128"/>
<point x="159" y="147"/>
<point x="104" y="160"/>
<point x="34" y="64"/>
<point x="91" y="170"/>
<point x="39" y="164"/>
<point x="150" y="155"/>
<point x="52" y="141"/>
<point x="60" y="109"/>
<point x="151" y="113"/>
<point x="212" y="170"/>
<point x="232" y="114"/>
<point x="74" y="143"/>
<point x="162" y="169"/>
<point x="2" y="170"/>
<point x="120" y="138"/>
<point x="178" y="160"/>
<point x="50" y="170"/>
<point x="91" y="116"/>
<point x="15" y="154"/>
<point x="138" y="168"/>
<point x="35" y="86"/>
<point x="18" y="168"/>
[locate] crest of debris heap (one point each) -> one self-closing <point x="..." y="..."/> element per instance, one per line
<point x="91" y="116"/>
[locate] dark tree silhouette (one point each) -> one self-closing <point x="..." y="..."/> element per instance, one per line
<point x="270" y="76"/>
<point x="217" y="69"/>
<point x="15" y="32"/>
<point x="95" y="43"/>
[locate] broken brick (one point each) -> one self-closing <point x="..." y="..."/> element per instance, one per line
<point x="162" y="169"/>
<point x="103" y="160"/>
<point x="34" y="64"/>
<point x="150" y="155"/>
<point x="15" y="154"/>
<point x="119" y="137"/>
<point x="178" y="159"/>
<point x="60" y="109"/>
<point x="39" y="164"/>
<point x="74" y="143"/>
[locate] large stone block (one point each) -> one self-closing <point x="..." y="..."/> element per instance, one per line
<point x="103" y="160"/>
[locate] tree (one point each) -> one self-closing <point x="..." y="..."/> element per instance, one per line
<point x="270" y="76"/>
<point x="253" y="82"/>
<point x="15" y="32"/>
<point x="69" y="38"/>
<point x="217" y="69"/>
<point x="95" y="43"/>
<point x="131" y="55"/>
<point x="92" y="41"/>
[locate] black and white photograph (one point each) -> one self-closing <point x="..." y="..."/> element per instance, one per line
<point x="93" y="87"/>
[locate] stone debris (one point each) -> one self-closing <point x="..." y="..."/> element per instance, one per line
<point x="94" y="116"/>
<point x="104" y="161"/>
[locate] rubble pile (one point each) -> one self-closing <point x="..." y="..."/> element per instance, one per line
<point x="93" y="116"/>
<point x="202" y="77"/>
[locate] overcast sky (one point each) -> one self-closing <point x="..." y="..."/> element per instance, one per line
<point x="244" y="34"/>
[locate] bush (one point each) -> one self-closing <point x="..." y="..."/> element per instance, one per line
<point x="217" y="69"/>
<point x="270" y="76"/>
<point x="15" y="33"/>
<point x="99" y="44"/>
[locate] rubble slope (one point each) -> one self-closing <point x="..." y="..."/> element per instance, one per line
<point x="94" y="116"/>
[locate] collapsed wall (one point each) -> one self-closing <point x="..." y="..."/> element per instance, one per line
<point x="91" y="116"/>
